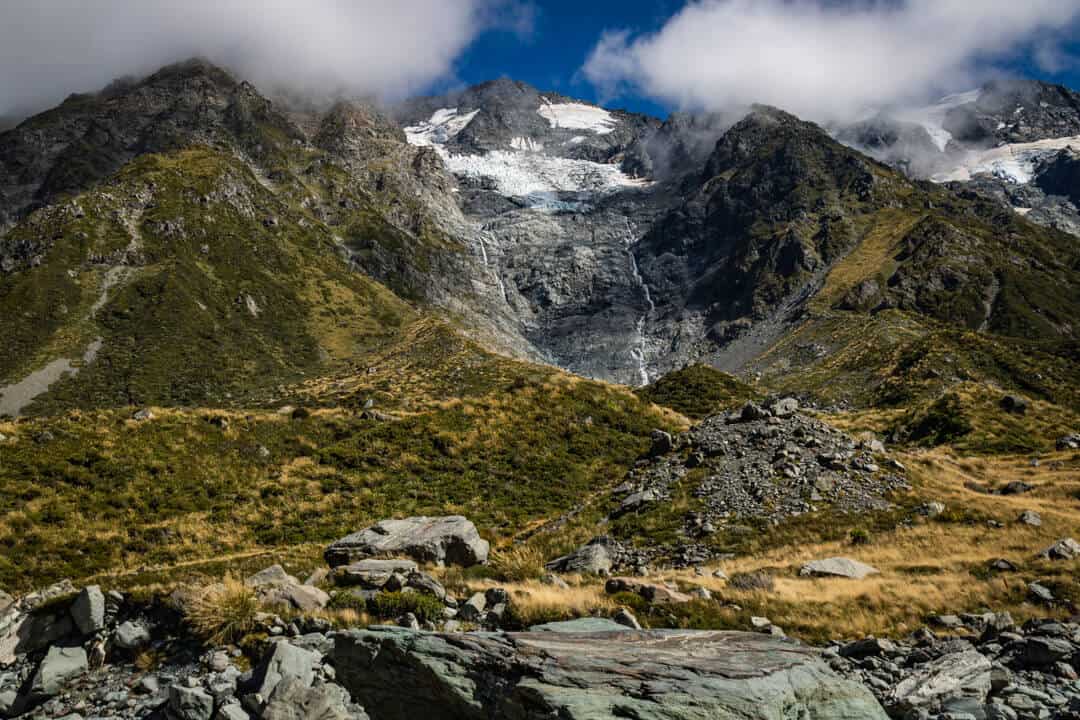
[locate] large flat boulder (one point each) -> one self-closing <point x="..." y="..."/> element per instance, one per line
<point x="648" y="675"/>
<point x="840" y="567"/>
<point x="442" y="540"/>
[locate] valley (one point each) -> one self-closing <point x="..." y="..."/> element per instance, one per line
<point x="654" y="376"/>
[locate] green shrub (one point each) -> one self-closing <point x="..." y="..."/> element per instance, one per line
<point x="858" y="536"/>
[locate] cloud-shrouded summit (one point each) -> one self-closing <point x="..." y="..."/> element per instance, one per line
<point x="824" y="60"/>
<point x="50" y="48"/>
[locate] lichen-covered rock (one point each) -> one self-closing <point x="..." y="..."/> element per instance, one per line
<point x="949" y="679"/>
<point x="654" y="675"/>
<point x="443" y="540"/>
<point x="594" y="558"/>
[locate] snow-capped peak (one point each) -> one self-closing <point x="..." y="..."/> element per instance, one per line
<point x="577" y="116"/>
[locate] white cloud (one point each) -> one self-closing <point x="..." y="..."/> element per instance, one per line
<point x="388" y="48"/>
<point x="821" y="59"/>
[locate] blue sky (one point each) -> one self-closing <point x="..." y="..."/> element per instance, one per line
<point x="565" y="32"/>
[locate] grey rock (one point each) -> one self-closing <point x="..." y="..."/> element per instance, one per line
<point x="785" y="407"/>
<point x="838" y="567"/>
<point x="1065" y="549"/>
<point x="593" y="558"/>
<point x="554" y="581"/>
<point x="581" y="625"/>
<point x="1030" y="517"/>
<point x="233" y="711"/>
<point x="868" y="647"/>
<point x="372" y="573"/>
<point x="662" y="443"/>
<point x="293" y="700"/>
<point x="189" y="703"/>
<point x="424" y="583"/>
<point x="752" y="412"/>
<point x="132" y="635"/>
<point x="473" y="608"/>
<point x="60" y="666"/>
<point x="272" y="576"/>
<point x="284" y="662"/>
<point x="1040" y="593"/>
<point x="1042" y="652"/>
<point x="88" y="610"/>
<point x="650" y="675"/>
<point x="961" y="675"/>
<point x="441" y="540"/>
<point x="305" y="598"/>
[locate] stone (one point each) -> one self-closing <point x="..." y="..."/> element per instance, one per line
<point x="233" y="711"/>
<point x="305" y="598"/>
<point x="554" y="581"/>
<point x="868" y="647"/>
<point x="424" y="583"/>
<point x="648" y="675"/>
<point x="441" y="540"/>
<point x="593" y="558"/>
<point x="132" y="635"/>
<point x="1030" y="517"/>
<point x="1068" y="442"/>
<point x="60" y="666"/>
<point x="752" y="412"/>
<point x="1016" y="487"/>
<point x="961" y="675"/>
<point x="1040" y="593"/>
<point x="284" y="662"/>
<point x="272" y="576"/>
<point x="626" y="618"/>
<point x="292" y="700"/>
<point x="838" y="567"/>
<point x="785" y="407"/>
<point x="931" y="509"/>
<point x="189" y="703"/>
<point x="662" y="443"/>
<point x="143" y="415"/>
<point x="88" y="610"/>
<point x="1042" y="652"/>
<point x="372" y="573"/>
<point x="1002" y="565"/>
<point x="652" y="592"/>
<point x="473" y="608"/>
<point x="6" y="601"/>
<point x="1065" y="549"/>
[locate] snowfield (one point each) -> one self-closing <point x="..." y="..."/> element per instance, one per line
<point x="539" y="180"/>
<point x="577" y="116"/>
<point x="444" y="126"/>
<point x="525" y="174"/>
<point x="1015" y="163"/>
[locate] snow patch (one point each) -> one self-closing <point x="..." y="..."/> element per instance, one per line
<point x="577" y="116"/>
<point x="443" y="126"/>
<point x="1015" y="163"/>
<point x="576" y="140"/>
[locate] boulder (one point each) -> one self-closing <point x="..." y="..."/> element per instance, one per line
<point x="60" y="666"/>
<point x="1014" y="404"/>
<point x="88" y="610"/>
<point x="1030" y="517"/>
<point x="372" y="573"/>
<point x="1068" y="442"/>
<point x="648" y="675"/>
<point x="752" y="412"/>
<point x="272" y="576"/>
<point x="654" y="593"/>
<point x="785" y="407"/>
<point x="959" y="676"/>
<point x="293" y="700"/>
<point x="132" y="635"/>
<point x="305" y="598"/>
<point x="452" y="539"/>
<point x="594" y="558"/>
<point x="838" y="567"/>
<point x="1065" y="549"/>
<point x="662" y="443"/>
<point x="189" y="703"/>
<point x="284" y="662"/>
<point x="473" y="608"/>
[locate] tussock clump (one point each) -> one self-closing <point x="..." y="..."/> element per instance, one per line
<point x="517" y="564"/>
<point x="223" y="613"/>
<point x="751" y="581"/>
